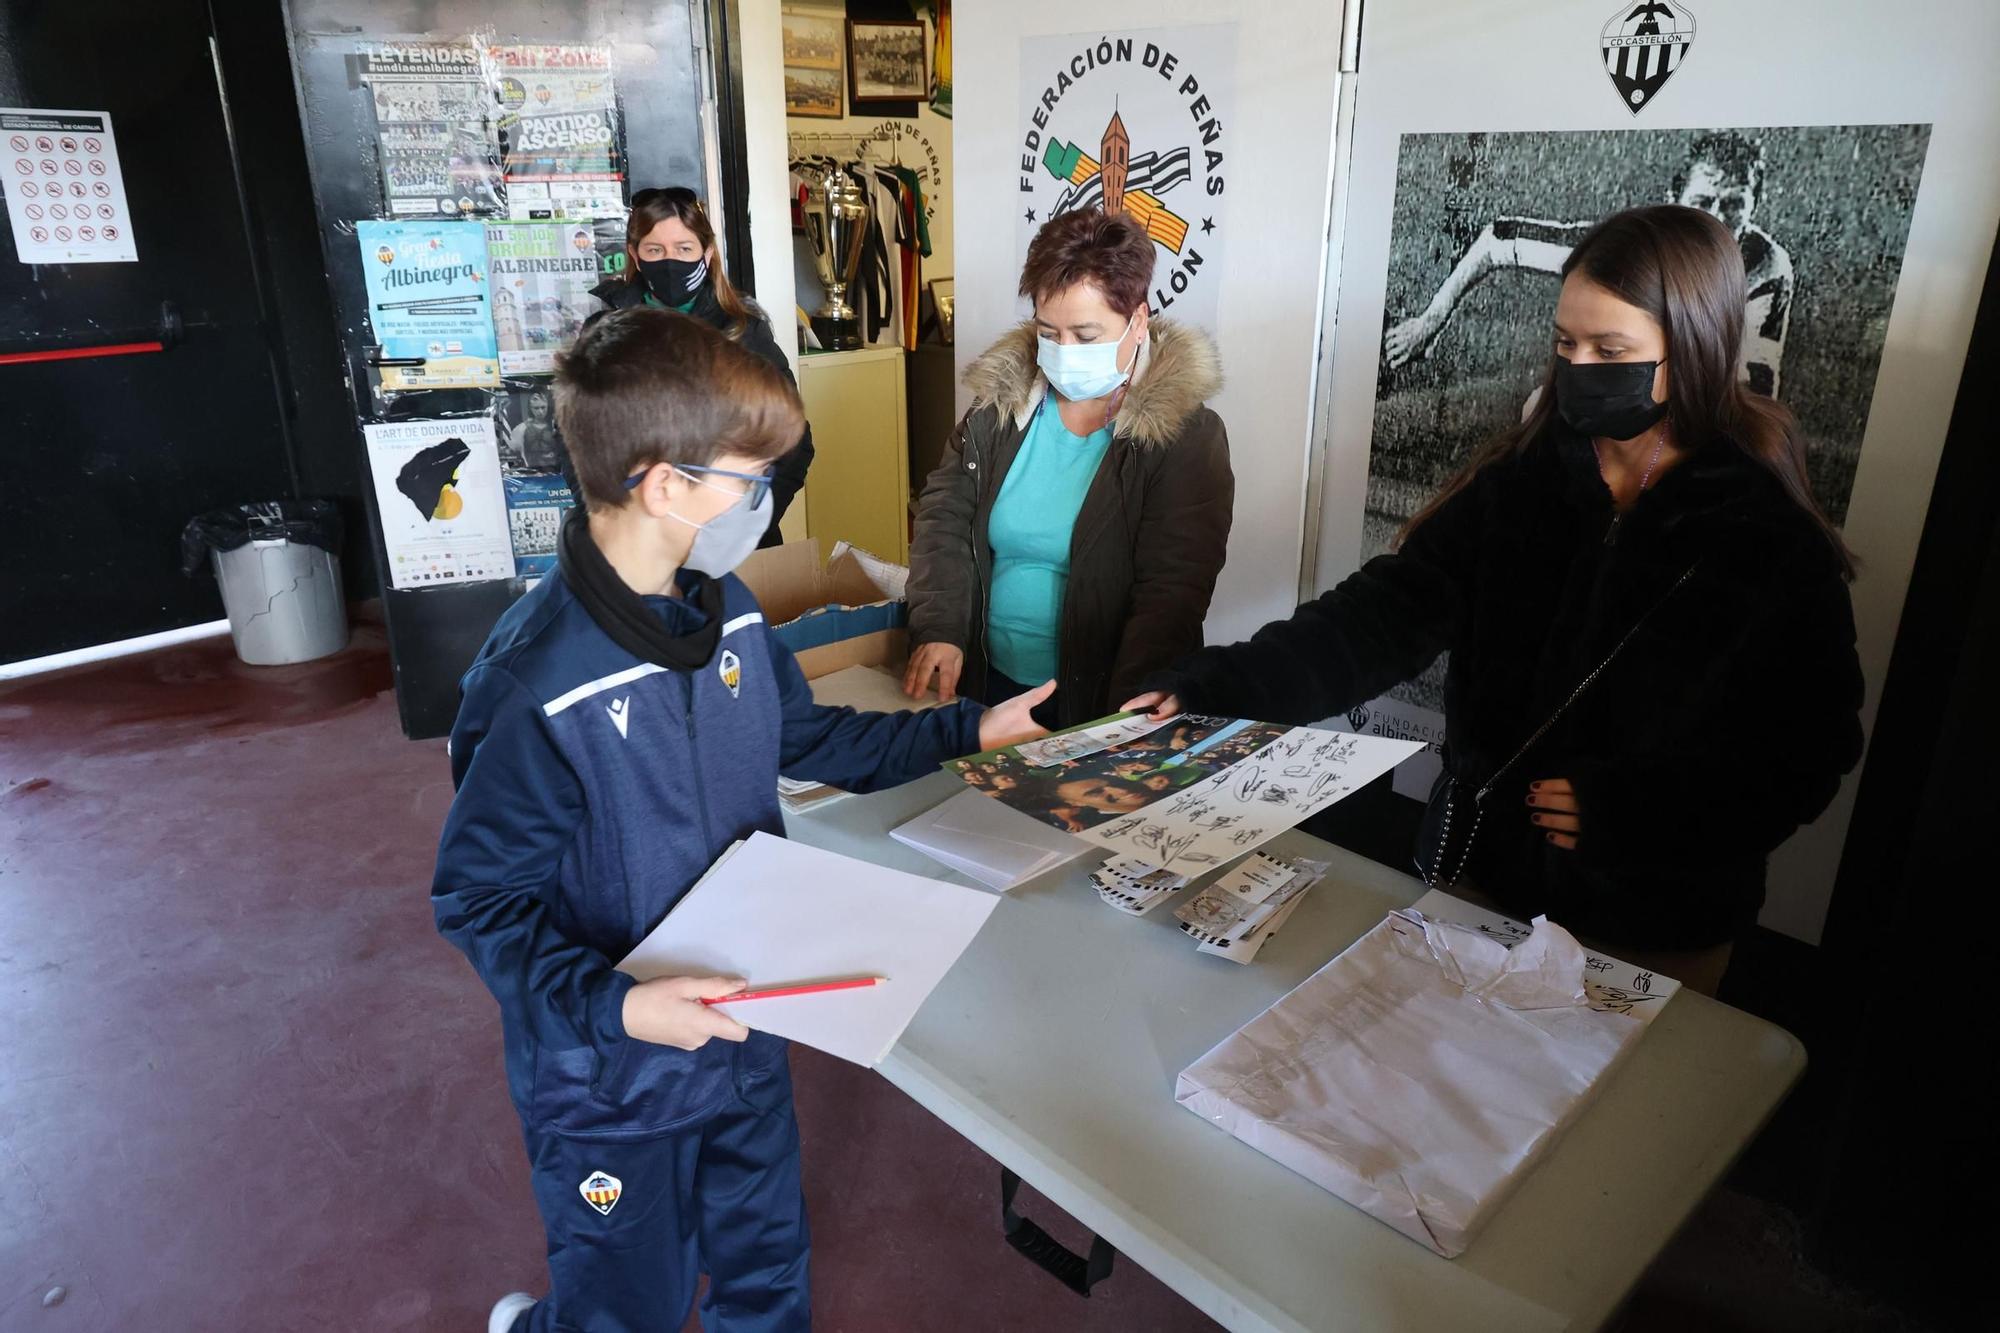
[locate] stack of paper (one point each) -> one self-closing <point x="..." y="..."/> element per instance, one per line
<point x="795" y="794"/>
<point x="780" y="913"/>
<point x="999" y="847"/>
<point x="1235" y="916"/>
<point x="1133" y="887"/>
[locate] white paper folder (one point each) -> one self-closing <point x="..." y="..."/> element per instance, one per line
<point x="778" y="912"/>
<point x="988" y="841"/>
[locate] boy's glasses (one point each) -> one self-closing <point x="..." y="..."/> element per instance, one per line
<point x="757" y="483"/>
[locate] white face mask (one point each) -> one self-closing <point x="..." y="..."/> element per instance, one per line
<point x="726" y="541"/>
<point x="1083" y="371"/>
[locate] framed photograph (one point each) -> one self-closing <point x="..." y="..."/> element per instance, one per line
<point x="813" y="92"/>
<point x="886" y="61"/>
<point x="812" y="40"/>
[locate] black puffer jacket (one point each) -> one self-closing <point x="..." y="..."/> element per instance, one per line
<point x="790" y="476"/>
<point x="1722" y="726"/>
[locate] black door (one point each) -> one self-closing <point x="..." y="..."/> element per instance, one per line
<point x="434" y="632"/>
<point x="105" y="457"/>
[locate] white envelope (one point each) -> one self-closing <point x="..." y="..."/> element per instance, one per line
<point x="993" y="843"/>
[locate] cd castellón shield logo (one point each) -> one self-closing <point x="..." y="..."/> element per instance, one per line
<point x="1644" y="43"/>
<point x="1134" y="122"/>
<point x="601" y="1191"/>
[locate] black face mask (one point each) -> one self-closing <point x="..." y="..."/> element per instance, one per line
<point x="1613" y="399"/>
<point x="674" y="281"/>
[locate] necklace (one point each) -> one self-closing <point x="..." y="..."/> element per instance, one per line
<point x="1645" y="479"/>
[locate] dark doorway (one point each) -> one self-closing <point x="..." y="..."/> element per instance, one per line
<point x="109" y="455"/>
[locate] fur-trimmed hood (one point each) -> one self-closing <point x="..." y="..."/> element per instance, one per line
<point x="1178" y="371"/>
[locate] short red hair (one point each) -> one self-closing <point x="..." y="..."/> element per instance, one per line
<point x="1109" y="251"/>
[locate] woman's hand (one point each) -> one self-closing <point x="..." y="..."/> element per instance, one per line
<point x="668" y="1011"/>
<point x="1157" y="705"/>
<point x="1010" y="723"/>
<point x="939" y="658"/>
<point x="1554" y="809"/>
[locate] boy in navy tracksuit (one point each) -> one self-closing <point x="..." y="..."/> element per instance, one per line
<point x="625" y="723"/>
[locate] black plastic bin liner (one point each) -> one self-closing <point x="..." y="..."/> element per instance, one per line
<point x="307" y="522"/>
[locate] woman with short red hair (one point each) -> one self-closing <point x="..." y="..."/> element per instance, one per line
<point x="1075" y="526"/>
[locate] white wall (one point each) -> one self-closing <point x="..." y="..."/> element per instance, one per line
<point x="764" y="142"/>
<point x="1447" y="65"/>
<point x="1281" y="122"/>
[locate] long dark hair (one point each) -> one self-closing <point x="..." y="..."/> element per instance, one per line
<point x="1683" y="268"/>
<point x="652" y="207"/>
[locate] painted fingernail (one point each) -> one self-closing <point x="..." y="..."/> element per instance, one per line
<point x="1534" y="786"/>
<point x="1552" y="837"/>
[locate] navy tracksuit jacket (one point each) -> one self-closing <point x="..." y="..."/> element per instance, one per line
<point x="594" y="789"/>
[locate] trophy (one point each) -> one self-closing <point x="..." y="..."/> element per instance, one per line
<point x="837" y="225"/>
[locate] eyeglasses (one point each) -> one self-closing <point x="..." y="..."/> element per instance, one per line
<point x="759" y="483"/>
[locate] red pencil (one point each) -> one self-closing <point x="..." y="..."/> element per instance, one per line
<point x="809" y="988"/>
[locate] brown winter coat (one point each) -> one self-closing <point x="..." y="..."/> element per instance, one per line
<point x="1148" y="542"/>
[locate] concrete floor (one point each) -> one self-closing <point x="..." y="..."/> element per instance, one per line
<point x="244" y="1085"/>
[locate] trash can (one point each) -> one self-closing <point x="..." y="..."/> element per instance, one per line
<point x="279" y="568"/>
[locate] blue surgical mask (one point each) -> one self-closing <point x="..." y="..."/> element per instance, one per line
<point x="726" y="541"/>
<point x="1083" y="371"/>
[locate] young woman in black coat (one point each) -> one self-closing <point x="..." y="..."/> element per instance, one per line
<point x="671" y="261"/>
<point x="1652" y="679"/>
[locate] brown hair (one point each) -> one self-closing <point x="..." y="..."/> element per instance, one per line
<point x="1683" y="268"/>
<point x="642" y="386"/>
<point x="652" y="207"/>
<point x="1109" y="251"/>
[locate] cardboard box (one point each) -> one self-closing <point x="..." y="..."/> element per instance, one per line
<point x="849" y="612"/>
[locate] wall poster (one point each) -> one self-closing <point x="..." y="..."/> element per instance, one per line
<point x="542" y="274"/>
<point x="439" y="493"/>
<point x="1135" y="120"/>
<point x="537" y="503"/>
<point x="428" y="303"/>
<point x="65" y="189"/>
<point x="557" y="108"/>
<point x="526" y="426"/>
<point x="433" y="129"/>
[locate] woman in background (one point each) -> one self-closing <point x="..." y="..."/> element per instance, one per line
<point x="672" y="261"/>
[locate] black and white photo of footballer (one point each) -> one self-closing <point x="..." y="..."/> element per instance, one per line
<point x="1723" y="176"/>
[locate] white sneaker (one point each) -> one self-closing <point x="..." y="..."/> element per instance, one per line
<point x="509" y="1308"/>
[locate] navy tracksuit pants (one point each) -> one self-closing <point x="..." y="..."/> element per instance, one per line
<point x="723" y="1197"/>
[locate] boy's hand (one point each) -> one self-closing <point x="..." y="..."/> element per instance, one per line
<point x="1010" y="723"/>
<point x="668" y="1011"/>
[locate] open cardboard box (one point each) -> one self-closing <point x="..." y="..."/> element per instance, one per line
<point x="849" y="612"/>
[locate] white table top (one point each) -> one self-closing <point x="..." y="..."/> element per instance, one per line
<point x="1053" y="1045"/>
